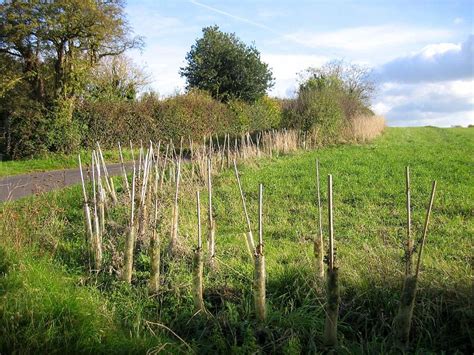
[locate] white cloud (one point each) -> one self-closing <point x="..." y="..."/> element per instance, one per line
<point x="364" y="38"/>
<point x="441" y="104"/>
<point x="458" y="20"/>
<point x="445" y="61"/>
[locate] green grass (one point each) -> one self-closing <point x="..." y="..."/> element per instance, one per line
<point x="54" y="162"/>
<point x="44" y="236"/>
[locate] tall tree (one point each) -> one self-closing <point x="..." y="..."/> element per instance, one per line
<point x="226" y="67"/>
<point x="47" y="52"/>
<point x="63" y="38"/>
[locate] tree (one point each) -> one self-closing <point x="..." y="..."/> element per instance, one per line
<point x="226" y="67"/>
<point x="116" y="78"/>
<point x="353" y="81"/>
<point x="49" y="49"/>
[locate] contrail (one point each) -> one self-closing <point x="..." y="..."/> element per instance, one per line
<point x="238" y="18"/>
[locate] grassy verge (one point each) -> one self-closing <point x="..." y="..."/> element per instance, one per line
<point x="369" y="229"/>
<point x="55" y="162"/>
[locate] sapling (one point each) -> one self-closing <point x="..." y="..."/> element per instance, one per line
<point x="260" y="277"/>
<point x="318" y="240"/>
<point x="198" y="264"/>
<point x="402" y="321"/>
<point x="333" y="298"/>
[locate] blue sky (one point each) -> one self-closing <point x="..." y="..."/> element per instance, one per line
<point x="421" y="52"/>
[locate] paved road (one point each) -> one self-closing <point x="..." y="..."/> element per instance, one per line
<point x="15" y="187"/>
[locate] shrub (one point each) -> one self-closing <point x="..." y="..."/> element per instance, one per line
<point x="194" y="114"/>
<point x="117" y="121"/>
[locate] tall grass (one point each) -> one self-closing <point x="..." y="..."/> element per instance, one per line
<point x="364" y="128"/>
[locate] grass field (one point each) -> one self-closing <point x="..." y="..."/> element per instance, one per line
<point x="49" y="303"/>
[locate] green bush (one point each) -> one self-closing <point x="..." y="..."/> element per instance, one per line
<point x="316" y="110"/>
<point x="118" y="121"/>
<point x="194" y="114"/>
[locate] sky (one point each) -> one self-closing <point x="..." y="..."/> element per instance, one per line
<point x="420" y="52"/>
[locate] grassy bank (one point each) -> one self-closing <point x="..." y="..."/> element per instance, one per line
<point x="45" y="290"/>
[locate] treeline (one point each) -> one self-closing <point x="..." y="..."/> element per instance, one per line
<point x="65" y="83"/>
